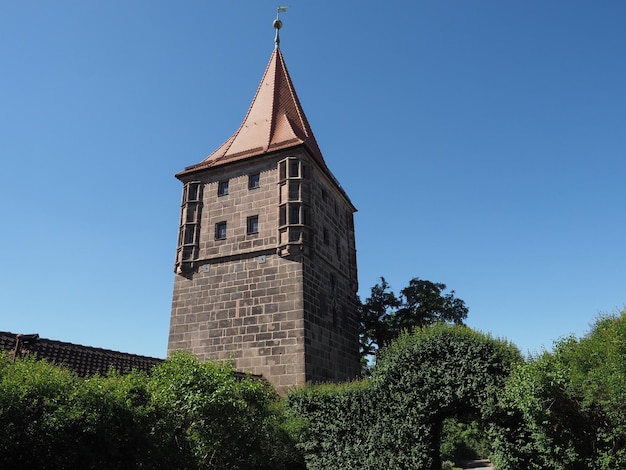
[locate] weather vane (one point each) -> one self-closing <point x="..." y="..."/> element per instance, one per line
<point x="278" y="24"/>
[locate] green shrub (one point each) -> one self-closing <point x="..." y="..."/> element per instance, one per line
<point x="188" y="415"/>
<point x="216" y="420"/>
<point x="447" y="465"/>
<point x="572" y="401"/>
<point x="464" y="440"/>
<point x="395" y="419"/>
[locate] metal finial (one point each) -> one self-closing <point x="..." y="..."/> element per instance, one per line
<point x="278" y="24"/>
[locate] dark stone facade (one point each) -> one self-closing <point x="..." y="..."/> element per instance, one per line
<point x="279" y="302"/>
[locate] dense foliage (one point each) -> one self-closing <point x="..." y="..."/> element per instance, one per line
<point x="435" y="391"/>
<point x="395" y="419"/>
<point x="187" y="415"/>
<point x="464" y="440"/>
<point x="383" y="315"/>
<point x="571" y="403"/>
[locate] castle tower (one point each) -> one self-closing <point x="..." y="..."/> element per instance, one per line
<point x="266" y="261"/>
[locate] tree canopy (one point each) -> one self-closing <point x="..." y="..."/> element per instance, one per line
<point x="572" y="402"/>
<point x="383" y="315"/>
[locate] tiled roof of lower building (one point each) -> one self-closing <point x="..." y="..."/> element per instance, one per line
<point x="84" y="360"/>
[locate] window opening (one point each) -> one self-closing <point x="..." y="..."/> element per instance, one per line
<point x="220" y="230"/>
<point x="294" y="168"/>
<point x="294" y="214"/>
<point x="254" y="181"/>
<point x="190" y="234"/>
<point x="294" y="191"/>
<point x="253" y="224"/>
<point x="222" y="188"/>
<point x="192" y="191"/>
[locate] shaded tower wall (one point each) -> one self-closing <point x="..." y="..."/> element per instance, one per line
<point x="266" y="270"/>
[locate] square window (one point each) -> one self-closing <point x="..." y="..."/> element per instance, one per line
<point x="222" y="188"/>
<point x="254" y="181"/>
<point x="295" y="235"/>
<point x="187" y="252"/>
<point x="253" y="224"/>
<point x="220" y="231"/>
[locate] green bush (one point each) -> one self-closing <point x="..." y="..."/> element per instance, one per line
<point x="33" y="398"/>
<point x="572" y="402"/>
<point x="187" y="415"/>
<point x="395" y="419"/>
<point x="217" y="420"/>
<point x="464" y="440"/>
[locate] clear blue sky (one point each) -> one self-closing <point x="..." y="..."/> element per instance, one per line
<point x="483" y="143"/>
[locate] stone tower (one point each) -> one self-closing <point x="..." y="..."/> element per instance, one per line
<point x="266" y="261"/>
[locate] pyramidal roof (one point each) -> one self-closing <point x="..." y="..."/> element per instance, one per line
<point x="275" y="121"/>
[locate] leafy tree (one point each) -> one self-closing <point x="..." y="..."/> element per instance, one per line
<point x="425" y="303"/>
<point x="375" y="327"/>
<point x="572" y="401"/>
<point x="383" y="315"/>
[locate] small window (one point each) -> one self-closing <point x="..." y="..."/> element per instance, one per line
<point x="324" y="195"/>
<point x="294" y="214"/>
<point x="187" y="252"/>
<point x="222" y="188"/>
<point x="295" y="235"/>
<point x="294" y="191"/>
<point x="191" y="192"/>
<point x="191" y="212"/>
<point x="190" y="235"/>
<point x="254" y="181"/>
<point x="326" y="237"/>
<point x="220" y="231"/>
<point x="294" y="168"/>
<point x="253" y="224"/>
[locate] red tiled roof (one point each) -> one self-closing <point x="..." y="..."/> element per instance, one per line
<point x="275" y="121"/>
<point x="84" y="360"/>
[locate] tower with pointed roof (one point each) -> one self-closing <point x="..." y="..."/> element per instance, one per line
<point x="266" y="261"/>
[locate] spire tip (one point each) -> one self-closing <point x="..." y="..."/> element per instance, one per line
<point x="278" y="24"/>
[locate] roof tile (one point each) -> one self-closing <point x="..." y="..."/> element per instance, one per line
<point x="84" y="360"/>
<point x="275" y="121"/>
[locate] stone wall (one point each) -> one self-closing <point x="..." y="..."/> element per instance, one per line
<point x="248" y="310"/>
<point x="287" y="314"/>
